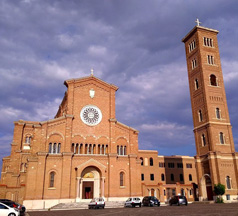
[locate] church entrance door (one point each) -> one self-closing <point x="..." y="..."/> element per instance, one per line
<point x="88" y="190"/>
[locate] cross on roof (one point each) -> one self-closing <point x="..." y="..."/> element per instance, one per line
<point x="197" y="21"/>
<point x="92" y="71"/>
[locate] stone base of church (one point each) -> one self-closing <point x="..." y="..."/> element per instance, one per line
<point x="45" y="204"/>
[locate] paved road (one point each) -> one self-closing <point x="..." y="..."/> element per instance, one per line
<point x="190" y="210"/>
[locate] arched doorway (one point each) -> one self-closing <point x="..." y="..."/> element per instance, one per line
<point x="206" y="187"/>
<point x="90" y="183"/>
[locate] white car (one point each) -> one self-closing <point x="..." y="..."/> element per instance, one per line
<point x="8" y="211"/>
<point x="133" y="202"/>
<point x="96" y="203"/>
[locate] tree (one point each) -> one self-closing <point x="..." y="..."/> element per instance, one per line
<point x="219" y="190"/>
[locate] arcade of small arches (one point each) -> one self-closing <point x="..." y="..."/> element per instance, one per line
<point x="81" y="148"/>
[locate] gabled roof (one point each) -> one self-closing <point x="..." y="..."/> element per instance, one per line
<point x="88" y="78"/>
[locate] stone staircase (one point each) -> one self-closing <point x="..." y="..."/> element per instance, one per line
<point x="84" y="205"/>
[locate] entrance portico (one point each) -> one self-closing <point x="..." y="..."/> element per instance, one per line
<point x="90" y="180"/>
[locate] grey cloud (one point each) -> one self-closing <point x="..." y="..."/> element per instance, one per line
<point x="133" y="44"/>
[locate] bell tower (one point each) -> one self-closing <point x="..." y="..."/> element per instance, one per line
<point x="216" y="159"/>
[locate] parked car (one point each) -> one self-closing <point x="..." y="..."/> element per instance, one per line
<point x="6" y="210"/>
<point x="96" y="203"/>
<point x="13" y="204"/>
<point x="150" y="201"/>
<point x="133" y="202"/>
<point x="178" y="200"/>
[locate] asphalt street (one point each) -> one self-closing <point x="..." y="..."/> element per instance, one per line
<point x="191" y="210"/>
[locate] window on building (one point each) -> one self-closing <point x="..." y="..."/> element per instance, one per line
<point x="125" y="150"/>
<point x="194" y="63"/>
<point x="210" y="60"/>
<point x="182" y="192"/>
<point x="191" y="192"/>
<point x="164" y="192"/>
<point x="161" y="164"/>
<point x="228" y="182"/>
<point x="192" y="45"/>
<point x="207" y="42"/>
<point x="52" y="179"/>
<point x="54" y="148"/>
<point x="59" y="145"/>
<point x="172" y="177"/>
<point x="213" y="80"/>
<point x="142" y="161"/>
<point x="173" y="192"/>
<point x="190" y="177"/>
<point x="203" y="140"/>
<point x="218" y="113"/>
<point x="142" y="177"/>
<point x="171" y="165"/>
<point x="28" y="139"/>
<point x="121" y="150"/>
<point x="189" y="165"/>
<point x="118" y="150"/>
<point x="200" y="118"/>
<point x="179" y="165"/>
<point x="221" y="135"/>
<point x="162" y="177"/>
<point x="151" y="162"/>
<point x="196" y="84"/>
<point x="50" y="148"/>
<point x="152" y="177"/>
<point x="122" y="178"/>
<point x="181" y="177"/>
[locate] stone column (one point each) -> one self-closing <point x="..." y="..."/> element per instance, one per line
<point x="78" y="187"/>
<point x="102" y="186"/>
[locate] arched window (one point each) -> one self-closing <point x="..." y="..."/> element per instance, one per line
<point x="59" y="145"/>
<point x="221" y="138"/>
<point x="151" y="162"/>
<point x="213" y="80"/>
<point x="203" y="140"/>
<point x="228" y="182"/>
<point x="200" y="115"/>
<point x="122" y="175"/>
<point x="218" y="114"/>
<point x="72" y="148"/>
<point x="181" y="177"/>
<point x="142" y="161"/>
<point x="121" y="150"/>
<point x="172" y="177"/>
<point x="162" y="177"/>
<point x="196" y="84"/>
<point x="28" y="139"/>
<point x="190" y="177"/>
<point x="55" y="148"/>
<point x="118" y="150"/>
<point x="52" y="179"/>
<point x="50" y="148"/>
<point x="124" y="150"/>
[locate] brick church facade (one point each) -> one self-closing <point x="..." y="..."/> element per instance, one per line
<point x="85" y="152"/>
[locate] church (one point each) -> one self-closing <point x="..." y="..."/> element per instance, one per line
<point x="85" y="152"/>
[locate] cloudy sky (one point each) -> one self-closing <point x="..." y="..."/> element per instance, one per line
<point x="134" y="44"/>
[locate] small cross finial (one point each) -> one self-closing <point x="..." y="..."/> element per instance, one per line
<point x="197" y="21"/>
<point x="91" y="71"/>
